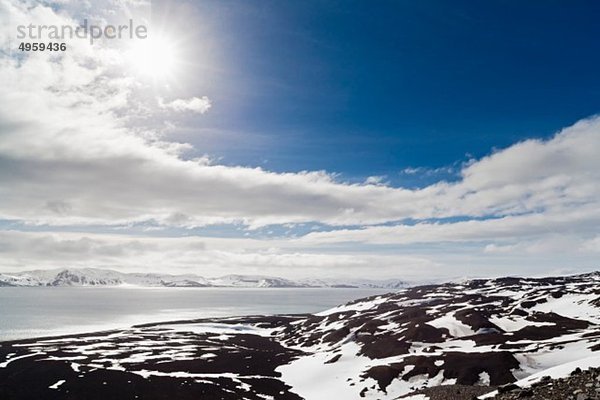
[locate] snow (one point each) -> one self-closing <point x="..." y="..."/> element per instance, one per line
<point x="456" y="328"/>
<point x="57" y="384"/>
<point x="515" y="323"/>
<point x="218" y="328"/>
<point x="559" y="371"/>
<point x="334" y="379"/>
<point x="399" y="387"/>
<point x="360" y="306"/>
<point x="180" y="374"/>
<point x="484" y="379"/>
<point x="507" y="293"/>
<point x="302" y="374"/>
<point x="572" y="306"/>
<point x="549" y="356"/>
<point x="5" y="364"/>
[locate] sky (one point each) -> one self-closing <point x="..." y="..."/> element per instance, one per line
<point x="418" y="140"/>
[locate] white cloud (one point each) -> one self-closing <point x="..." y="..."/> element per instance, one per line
<point x="76" y="163"/>
<point x="375" y="180"/>
<point x="21" y="251"/>
<point x="411" y="170"/>
<point x="71" y="153"/>
<point x="428" y="171"/>
<point x="494" y="248"/>
<point x="583" y="221"/>
<point x="206" y="256"/>
<point x="591" y="245"/>
<point x="195" y="104"/>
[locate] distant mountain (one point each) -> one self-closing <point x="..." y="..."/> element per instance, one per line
<point x="104" y="277"/>
<point x="356" y="283"/>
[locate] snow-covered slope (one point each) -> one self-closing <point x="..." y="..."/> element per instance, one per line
<point x="557" y="372"/>
<point x="103" y="277"/>
<point x="481" y="332"/>
<point x="475" y="333"/>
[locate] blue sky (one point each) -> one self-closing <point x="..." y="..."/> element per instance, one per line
<point x="411" y="139"/>
<point x="364" y="88"/>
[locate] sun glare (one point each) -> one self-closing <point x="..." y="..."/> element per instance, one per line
<point x="154" y="57"/>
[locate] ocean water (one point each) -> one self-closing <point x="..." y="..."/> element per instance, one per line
<point x="39" y="311"/>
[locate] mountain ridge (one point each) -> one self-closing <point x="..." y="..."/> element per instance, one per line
<point x="87" y="277"/>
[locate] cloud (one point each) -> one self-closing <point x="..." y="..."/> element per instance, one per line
<point x="376" y="180"/>
<point x="428" y="171"/>
<point x="592" y="245"/>
<point x="411" y="170"/>
<point x="74" y="152"/>
<point x="580" y="221"/>
<point x="195" y="104"/>
<point x="206" y="256"/>
<point x="66" y="139"/>
<point x="77" y="162"/>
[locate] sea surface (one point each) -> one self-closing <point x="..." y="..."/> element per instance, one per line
<point x="40" y="311"/>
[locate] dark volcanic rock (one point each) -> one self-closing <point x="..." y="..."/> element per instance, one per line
<point x="123" y="365"/>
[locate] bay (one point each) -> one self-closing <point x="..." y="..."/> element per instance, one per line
<point x="27" y="312"/>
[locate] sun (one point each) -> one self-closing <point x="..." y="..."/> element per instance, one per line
<point x="155" y="57"/>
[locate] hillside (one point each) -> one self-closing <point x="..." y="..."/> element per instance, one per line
<point x="478" y="334"/>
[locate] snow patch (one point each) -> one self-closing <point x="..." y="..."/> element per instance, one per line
<point x="560" y="371"/>
<point x="57" y="384"/>
<point x="454" y="326"/>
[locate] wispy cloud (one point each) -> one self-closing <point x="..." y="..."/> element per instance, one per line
<point x="449" y="170"/>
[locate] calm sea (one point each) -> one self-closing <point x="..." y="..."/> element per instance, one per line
<point x="34" y="312"/>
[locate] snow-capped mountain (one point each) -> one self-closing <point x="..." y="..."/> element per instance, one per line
<point x="253" y="281"/>
<point x="97" y="277"/>
<point x="449" y="341"/>
<point x="103" y="277"/>
<point x="359" y="283"/>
